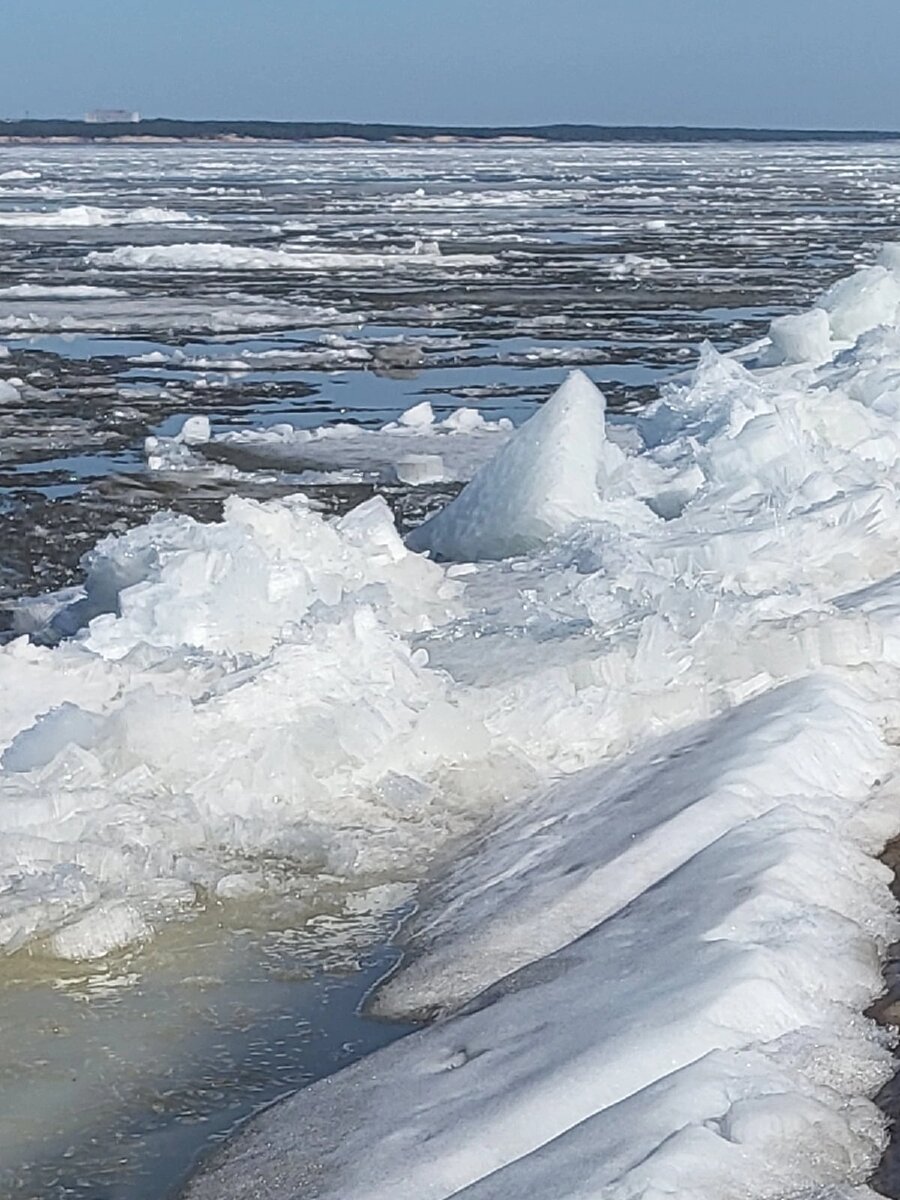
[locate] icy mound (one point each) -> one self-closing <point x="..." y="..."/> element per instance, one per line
<point x="541" y="483"/>
<point x="244" y="687"/>
<point x="236" y="585"/>
<point x="220" y="256"/>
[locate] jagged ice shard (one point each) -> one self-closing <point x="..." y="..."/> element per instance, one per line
<point x="542" y="482"/>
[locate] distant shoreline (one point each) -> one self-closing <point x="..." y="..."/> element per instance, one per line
<point x="164" y="131"/>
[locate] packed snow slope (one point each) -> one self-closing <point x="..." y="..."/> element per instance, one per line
<point x="661" y="672"/>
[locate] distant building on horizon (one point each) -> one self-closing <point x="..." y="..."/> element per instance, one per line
<point x="112" y="116"/>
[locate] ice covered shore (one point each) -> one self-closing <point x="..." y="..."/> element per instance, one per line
<point x="650" y="973"/>
<point x="654" y="680"/>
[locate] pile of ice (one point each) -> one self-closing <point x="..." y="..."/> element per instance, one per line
<point x="222" y="256"/>
<point x="867" y="300"/>
<point x="415" y="449"/>
<point x="657" y="681"/>
<point x="237" y="689"/>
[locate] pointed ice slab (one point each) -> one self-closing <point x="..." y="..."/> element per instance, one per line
<point x="543" y="481"/>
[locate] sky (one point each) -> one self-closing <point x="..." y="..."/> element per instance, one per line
<point x="766" y="63"/>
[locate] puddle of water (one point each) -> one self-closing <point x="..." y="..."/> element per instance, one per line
<point x="116" y="1080"/>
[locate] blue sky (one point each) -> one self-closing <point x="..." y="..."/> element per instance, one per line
<point x="811" y="63"/>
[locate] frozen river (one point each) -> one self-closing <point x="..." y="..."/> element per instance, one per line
<point x="215" y="805"/>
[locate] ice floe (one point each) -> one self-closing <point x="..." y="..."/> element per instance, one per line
<point x="85" y="215"/>
<point x="416" y="448"/>
<point x="219" y="256"/>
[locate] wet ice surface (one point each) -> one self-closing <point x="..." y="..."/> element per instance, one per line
<point x="619" y="260"/>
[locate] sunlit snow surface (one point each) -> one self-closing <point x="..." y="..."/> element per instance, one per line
<point x="635" y="713"/>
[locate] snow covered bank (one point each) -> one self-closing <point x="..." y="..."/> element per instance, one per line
<point x="688" y="1026"/>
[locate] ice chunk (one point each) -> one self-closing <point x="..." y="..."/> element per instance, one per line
<point x="420" y="416"/>
<point x="861" y="302"/>
<point x="889" y="257"/>
<point x="60" y="727"/>
<point x="100" y="931"/>
<point x="417" y="469"/>
<point x="802" y="337"/>
<point x="543" y="481"/>
<point x="194" y="431"/>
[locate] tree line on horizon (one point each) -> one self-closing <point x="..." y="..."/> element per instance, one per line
<point x="164" y="127"/>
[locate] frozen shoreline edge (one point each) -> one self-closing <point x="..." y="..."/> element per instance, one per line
<point x="786" y="444"/>
<point x="439" y="1114"/>
<point x="540" y="1105"/>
